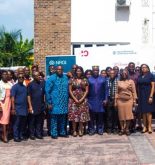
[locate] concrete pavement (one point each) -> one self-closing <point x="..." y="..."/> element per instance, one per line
<point x="137" y="149"/>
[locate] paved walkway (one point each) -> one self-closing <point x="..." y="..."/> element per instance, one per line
<point x="137" y="149"/>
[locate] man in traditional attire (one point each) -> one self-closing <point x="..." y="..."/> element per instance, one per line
<point x="57" y="99"/>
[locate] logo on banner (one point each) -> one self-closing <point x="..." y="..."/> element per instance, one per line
<point x="84" y="53"/>
<point x="52" y="62"/>
<point x="59" y="62"/>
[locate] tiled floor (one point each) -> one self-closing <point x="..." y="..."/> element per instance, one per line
<point x="137" y="149"/>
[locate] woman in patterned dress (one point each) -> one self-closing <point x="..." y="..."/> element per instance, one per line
<point x="78" y="106"/>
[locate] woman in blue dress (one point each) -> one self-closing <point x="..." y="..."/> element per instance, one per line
<point x="145" y="97"/>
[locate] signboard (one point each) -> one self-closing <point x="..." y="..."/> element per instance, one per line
<point x="115" y="56"/>
<point x="66" y="61"/>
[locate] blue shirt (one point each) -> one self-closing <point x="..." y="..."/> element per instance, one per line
<point x="19" y="92"/>
<point x="36" y="91"/>
<point x="98" y="92"/>
<point x="57" y="93"/>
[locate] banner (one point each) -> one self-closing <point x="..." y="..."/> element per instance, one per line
<point x="65" y="61"/>
<point x="115" y="56"/>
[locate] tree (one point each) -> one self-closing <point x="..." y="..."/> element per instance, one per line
<point x="13" y="50"/>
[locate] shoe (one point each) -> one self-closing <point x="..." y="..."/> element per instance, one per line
<point x="80" y="133"/>
<point x="39" y="137"/>
<point x="114" y="131"/>
<point x="150" y="130"/>
<point x="109" y="131"/>
<point x="5" y="139"/>
<point x="144" y="130"/>
<point x="121" y="132"/>
<point x="74" y="134"/>
<point x="91" y="133"/>
<point x="32" y="137"/>
<point x="128" y="133"/>
<point x="100" y="133"/>
<point x="17" y="140"/>
<point x="23" y="138"/>
<point x="54" y="137"/>
<point x="139" y="128"/>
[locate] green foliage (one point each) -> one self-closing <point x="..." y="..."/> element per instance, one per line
<point x="14" y="51"/>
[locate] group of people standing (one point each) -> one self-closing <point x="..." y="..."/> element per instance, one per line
<point x="22" y="104"/>
<point x="111" y="100"/>
<point x="93" y="101"/>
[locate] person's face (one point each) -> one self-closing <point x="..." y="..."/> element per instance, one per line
<point x="20" y="71"/>
<point x="41" y="78"/>
<point x="27" y="71"/>
<point x="74" y="68"/>
<point x="145" y="69"/>
<point x="124" y="74"/>
<point x="95" y="71"/>
<point x="9" y="75"/>
<point x="59" y="71"/>
<point x="112" y="74"/>
<point x="126" y="68"/>
<point x="16" y="73"/>
<point x="36" y="76"/>
<point x="88" y="74"/>
<point x="108" y="72"/>
<point x="34" y="69"/>
<point x="52" y="69"/>
<point x="116" y="69"/>
<point x="137" y="69"/>
<point x="78" y="72"/>
<point x="103" y="73"/>
<point x="4" y="76"/>
<point x="131" y="68"/>
<point x="20" y="78"/>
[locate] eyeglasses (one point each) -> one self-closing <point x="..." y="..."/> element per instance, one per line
<point x="21" y="77"/>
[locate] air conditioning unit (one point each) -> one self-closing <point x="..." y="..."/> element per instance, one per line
<point x="123" y="3"/>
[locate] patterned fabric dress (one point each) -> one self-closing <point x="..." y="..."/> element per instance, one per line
<point x="78" y="113"/>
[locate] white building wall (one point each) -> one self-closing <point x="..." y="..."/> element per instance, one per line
<point x="100" y="21"/>
<point x="153" y="20"/>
